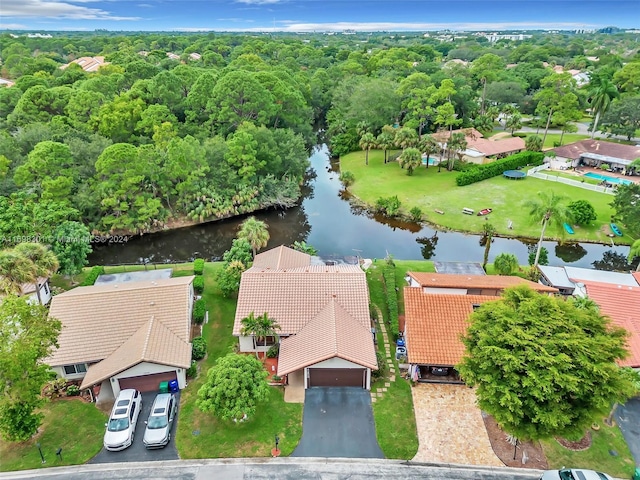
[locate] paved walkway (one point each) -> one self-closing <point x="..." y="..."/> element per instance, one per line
<point x="450" y="426"/>
<point x="379" y="392"/>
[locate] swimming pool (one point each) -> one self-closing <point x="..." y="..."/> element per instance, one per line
<point x="597" y="176"/>
<point x="432" y="161"/>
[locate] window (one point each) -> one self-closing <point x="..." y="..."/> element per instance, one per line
<point x="45" y="286"/>
<point x="78" y="368"/>
<point x="133" y="410"/>
<point x="264" y="341"/>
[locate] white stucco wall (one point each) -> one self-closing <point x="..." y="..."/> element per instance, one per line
<point x="59" y="371"/>
<point x="445" y="291"/>
<point x="146" y="368"/>
<point x="45" y="295"/>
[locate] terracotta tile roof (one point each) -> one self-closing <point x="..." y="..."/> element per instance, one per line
<point x="490" y="147"/>
<point x="636" y="275"/>
<point x="88" y="64"/>
<point x="450" y="280"/>
<point x="610" y="149"/>
<point x="281" y="258"/>
<point x="153" y="342"/>
<point x="435" y="324"/>
<point x="621" y="303"/>
<point x="295" y="296"/>
<point x="97" y="320"/>
<point x="331" y="333"/>
<point x="469" y="133"/>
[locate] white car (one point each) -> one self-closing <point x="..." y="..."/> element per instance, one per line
<point x="123" y="419"/>
<point x="574" y="474"/>
<point x="158" y="431"/>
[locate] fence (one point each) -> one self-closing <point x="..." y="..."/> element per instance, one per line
<point x="574" y="183"/>
<point x="533" y="170"/>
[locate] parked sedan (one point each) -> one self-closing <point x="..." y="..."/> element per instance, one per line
<point x="574" y="474"/>
<point x="122" y="421"/>
<point x="158" y="431"/>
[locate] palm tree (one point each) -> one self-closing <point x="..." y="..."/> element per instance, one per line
<point x="44" y="260"/>
<point x="547" y="208"/>
<point x="635" y="252"/>
<point x="430" y="146"/>
<point x="15" y="270"/>
<point x="361" y="128"/>
<point x="367" y="142"/>
<point x="410" y="158"/>
<point x="488" y="231"/>
<point x="386" y="140"/>
<point x="255" y="232"/>
<point x="514" y="122"/>
<point x="406" y="137"/>
<point x="457" y="144"/>
<point x="260" y="327"/>
<point x="602" y="93"/>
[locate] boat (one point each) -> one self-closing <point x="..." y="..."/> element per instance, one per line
<point x="485" y="211"/>
<point x="615" y="229"/>
<point x="568" y="228"/>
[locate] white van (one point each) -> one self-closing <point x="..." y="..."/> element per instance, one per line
<point x="123" y="419"/>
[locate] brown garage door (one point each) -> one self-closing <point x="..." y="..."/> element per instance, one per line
<point x="337" y="377"/>
<point x="146" y="383"/>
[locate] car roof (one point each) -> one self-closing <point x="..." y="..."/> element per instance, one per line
<point x="161" y="401"/>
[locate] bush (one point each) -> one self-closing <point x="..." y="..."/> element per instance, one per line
<point x="73" y="391"/>
<point x="347" y="179"/>
<point x="273" y="350"/>
<point x="505" y="263"/>
<point x="389" y="275"/>
<point x="192" y="371"/>
<point x="198" y="283"/>
<point x="373" y="312"/>
<point x="583" y="212"/>
<point x="494" y="169"/>
<point x="199" y="348"/>
<point x="382" y="366"/>
<point x="198" y="266"/>
<point x="92" y="276"/>
<point x="389" y="206"/>
<point x="199" y="309"/>
<point x="415" y="214"/>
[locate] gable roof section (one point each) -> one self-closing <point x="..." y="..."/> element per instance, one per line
<point x="598" y="147"/>
<point x="97" y="320"/>
<point x="281" y="258"/>
<point x="490" y="147"/>
<point x="295" y="296"/>
<point x="434" y="325"/>
<point x="450" y="280"/>
<point x="153" y="342"/>
<point x="469" y="133"/>
<point x="636" y="275"/>
<point x="331" y="333"/>
<point x="621" y="303"/>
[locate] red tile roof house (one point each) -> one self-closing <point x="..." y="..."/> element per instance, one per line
<point x="482" y="150"/>
<point x="323" y="314"/>
<point x="129" y="335"/>
<point x="437" y="307"/>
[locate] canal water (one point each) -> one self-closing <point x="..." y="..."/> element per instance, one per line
<point x="329" y="222"/>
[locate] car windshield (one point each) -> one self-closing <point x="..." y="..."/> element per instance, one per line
<point x="157" y="422"/>
<point x="118" y="424"/>
<point x="566" y="475"/>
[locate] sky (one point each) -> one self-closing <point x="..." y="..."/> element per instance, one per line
<point x="316" y="15"/>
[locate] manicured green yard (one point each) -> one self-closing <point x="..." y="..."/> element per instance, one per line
<point x="596" y="457"/>
<point x="552" y="138"/>
<point x="76" y="426"/>
<point x="201" y="435"/>
<point x="430" y="190"/>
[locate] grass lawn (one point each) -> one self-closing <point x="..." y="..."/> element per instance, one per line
<point x="552" y="138"/>
<point x="393" y="413"/>
<point x="430" y="190"/>
<point x="76" y="426"/>
<point x="215" y="437"/>
<point x="596" y="457"/>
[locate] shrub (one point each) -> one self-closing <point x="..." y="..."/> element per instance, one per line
<point x="382" y="366"/>
<point x="489" y="170"/>
<point x="389" y="275"/>
<point x="373" y="312"/>
<point x="199" y="309"/>
<point x="505" y="263"/>
<point x="198" y="283"/>
<point x="199" y="348"/>
<point x="347" y="179"/>
<point x="273" y="350"/>
<point x="198" y="266"/>
<point x="415" y="214"/>
<point x="92" y="276"/>
<point x="389" y="206"/>
<point x="582" y="211"/>
<point x="192" y="371"/>
<point x="73" y="391"/>
<point x="544" y="256"/>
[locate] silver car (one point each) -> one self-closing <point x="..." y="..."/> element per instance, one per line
<point x="574" y="474"/>
<point x="158" y="431"/>
<point x="122" y="421"/>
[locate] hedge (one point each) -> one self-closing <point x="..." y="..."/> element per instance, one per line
<point x="198" y="283"/>
<point x="389" y="275"/>
<point x="198" y="266"/>
<point x="92" y="276"/>
<point x="198" y="348"/>
<point x="199" y="309"/>
<point x="493" y="169"/>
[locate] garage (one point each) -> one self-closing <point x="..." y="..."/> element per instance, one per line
<point x="147" y="383"/>
<point x="338" y="377"/>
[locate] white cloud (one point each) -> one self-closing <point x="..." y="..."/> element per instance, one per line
<point x="12" y="26"/>
<point x="145" y="5"/>
<point x="55" y="9"/>
<point x="294" y="26"/>
<point x="259" y="2"/>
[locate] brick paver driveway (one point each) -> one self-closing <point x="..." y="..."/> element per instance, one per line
<point x="450" y="426"/>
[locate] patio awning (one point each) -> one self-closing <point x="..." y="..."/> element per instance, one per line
<point x="605" y="158"/>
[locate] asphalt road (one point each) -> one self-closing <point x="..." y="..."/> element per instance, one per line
<point x="338" y="422"/>
<point x="137" y="452"/>
<point x="280" y="468"/>
<point x="628" y="418"/>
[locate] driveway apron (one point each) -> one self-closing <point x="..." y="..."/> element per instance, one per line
<point x="628" y="418"/>
<point x="338" y="422"/>
<point x="137" y="451"/>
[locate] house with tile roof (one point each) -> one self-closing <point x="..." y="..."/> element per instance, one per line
<point x="594" y="153"/>
<point x="29" y="290"/>
<point x="482" y="150"/>
<point x="323" y="313"/>
<point x="124" y="335"/>
<point x="460" y="284"/>
<point x="88" y="64"/>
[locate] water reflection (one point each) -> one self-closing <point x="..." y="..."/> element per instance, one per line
<point x="337" y="227"/>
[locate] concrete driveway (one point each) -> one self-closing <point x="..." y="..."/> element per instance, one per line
<point x="628" y="418"/>
<point x="338" y="422"/>
<point x="450" y="426"/>
<point x="137" y="452"/>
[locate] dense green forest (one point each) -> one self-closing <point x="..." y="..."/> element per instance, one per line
<point x="179" y="128"/>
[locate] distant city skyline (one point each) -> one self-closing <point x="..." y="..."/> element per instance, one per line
<point x="316" y="15"/>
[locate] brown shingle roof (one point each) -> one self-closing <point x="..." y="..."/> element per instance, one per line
<point x="281" y="258"/>
<point x="610" y="149"/>
<point x="450" y="280"/>
<point x="97" y="320"/>
<point x="621" y="303"/>
<point x="153" y="342"/>
<point x="332" y="333"/>
<point x="293" y="297"/>
<point x="435" y="324"/>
